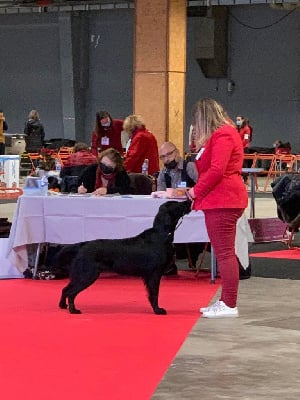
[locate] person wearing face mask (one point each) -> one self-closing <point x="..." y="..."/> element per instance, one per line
<point x="108" y="176"/>
<point x="142" y="145"/>
<point x="107" y="133"/>
<point x="176" y="171"/>
<point x="245" y="130"/>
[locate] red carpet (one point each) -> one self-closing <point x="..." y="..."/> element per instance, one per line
<point x="292" y="254"/>
<point x="117" y="349"/>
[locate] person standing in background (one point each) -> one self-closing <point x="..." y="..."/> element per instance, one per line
<point x="35" y="133"/>
<point x="143" y="145"/>
<point x="245" y="130"/>
<point x="107" y="133"/>
<point x="3" y="127"/>
<point x="220" y="194"/>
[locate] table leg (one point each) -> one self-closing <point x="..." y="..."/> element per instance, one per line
<point x="252" y="206"/>
<point x="36" y="261"/>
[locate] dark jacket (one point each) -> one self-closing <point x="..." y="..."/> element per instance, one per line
<point x="35" y="132"/>
<point x="87" y="178"/>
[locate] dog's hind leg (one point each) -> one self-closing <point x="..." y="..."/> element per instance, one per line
<point x="152" y="283"/>
<point x="63" y="299"/>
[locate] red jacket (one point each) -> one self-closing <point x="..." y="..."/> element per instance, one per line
<point x="111" y="135"/>
<point x="246" y="136"/>
<point x="81" y="157"/>
<point x="220" y="184"/>
<point x="143" y="145"/>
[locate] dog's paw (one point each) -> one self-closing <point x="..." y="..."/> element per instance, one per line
<point x="62" y="305"/>
<point x="160" y="311"/>
<point x="74" y="311"/>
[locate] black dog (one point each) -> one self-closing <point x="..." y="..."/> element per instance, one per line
<point x="145" y="255"/>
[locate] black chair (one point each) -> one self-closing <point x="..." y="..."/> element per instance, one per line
<point x="141" y="183"/>
<point x="69" y="184"/>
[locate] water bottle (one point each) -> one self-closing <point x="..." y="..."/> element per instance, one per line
<point x="57" y="165"/>
<point x="145" y="166"/>
<point x="44" y="185"/>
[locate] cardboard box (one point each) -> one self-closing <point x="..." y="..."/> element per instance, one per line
<point x="9" y="170"/>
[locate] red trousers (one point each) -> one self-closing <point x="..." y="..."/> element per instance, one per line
<point x="221" y="229"/>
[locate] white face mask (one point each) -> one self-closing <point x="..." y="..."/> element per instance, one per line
<point x="106" y="125"/>
<point x="238" y="123"/>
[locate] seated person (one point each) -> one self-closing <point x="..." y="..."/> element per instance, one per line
<point x="78" y="160"/>
<point x="108" y="176"/>
<point x="282" y="148"/>
<point x="178" y="172"/>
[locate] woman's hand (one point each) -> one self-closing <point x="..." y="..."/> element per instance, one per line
<point x="190" y="194"/>
<point x="81" y="189"/>
<point x="100" y="191"/>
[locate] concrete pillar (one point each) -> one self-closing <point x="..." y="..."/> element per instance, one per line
<point x="160" y="67"/>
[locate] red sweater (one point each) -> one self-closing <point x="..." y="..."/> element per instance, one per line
<point x="81" y="157"/>
<point x="143" y="145"/>
<point x="220" y="184"/>
<point x="108" y="137"/>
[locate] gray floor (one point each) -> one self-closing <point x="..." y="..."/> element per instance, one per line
<point x="253" y="357"/>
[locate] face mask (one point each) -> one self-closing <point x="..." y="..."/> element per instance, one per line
<point x="106" y="170"/>
<point x="238" y="123"/>
<point x="106" y="125"/>
<point x="171" y="165"/>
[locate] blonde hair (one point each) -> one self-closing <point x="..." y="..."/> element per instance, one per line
<point x="34" y="115"/>
<point x="208" y="116"/>
<point x="80" y="146"/>
<point x="132" y="122"/>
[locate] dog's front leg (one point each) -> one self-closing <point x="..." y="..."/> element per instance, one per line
<point x="152" y="284"/>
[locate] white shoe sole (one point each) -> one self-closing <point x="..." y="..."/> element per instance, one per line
<point x="204" y="315"/>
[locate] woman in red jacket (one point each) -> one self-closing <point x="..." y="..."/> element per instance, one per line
<point x="143" y="145"/>
<point x="106" y="134"/>
<point x="221" y="194"/>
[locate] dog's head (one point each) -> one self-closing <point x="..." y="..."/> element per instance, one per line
<point x="169" y="214"/>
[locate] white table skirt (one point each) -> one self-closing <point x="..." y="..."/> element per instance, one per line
<point x="73" y="219"/>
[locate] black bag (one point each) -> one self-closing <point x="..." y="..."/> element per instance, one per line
<point x="286" y="192"/>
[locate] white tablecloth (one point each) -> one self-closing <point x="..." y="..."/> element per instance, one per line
<point x="73" y="219"/>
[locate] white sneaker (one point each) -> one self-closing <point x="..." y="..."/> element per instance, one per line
<point x="205" y="309"/>
<point x="221" y="311"/>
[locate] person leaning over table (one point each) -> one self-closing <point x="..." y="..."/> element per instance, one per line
<point x="106" y="133"/>
<point x="220" y="193"/>
<point x="108" y="176"/>
<point x="142" y="145"/>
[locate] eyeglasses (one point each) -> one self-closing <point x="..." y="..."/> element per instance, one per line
<point x="161" y="157"/>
